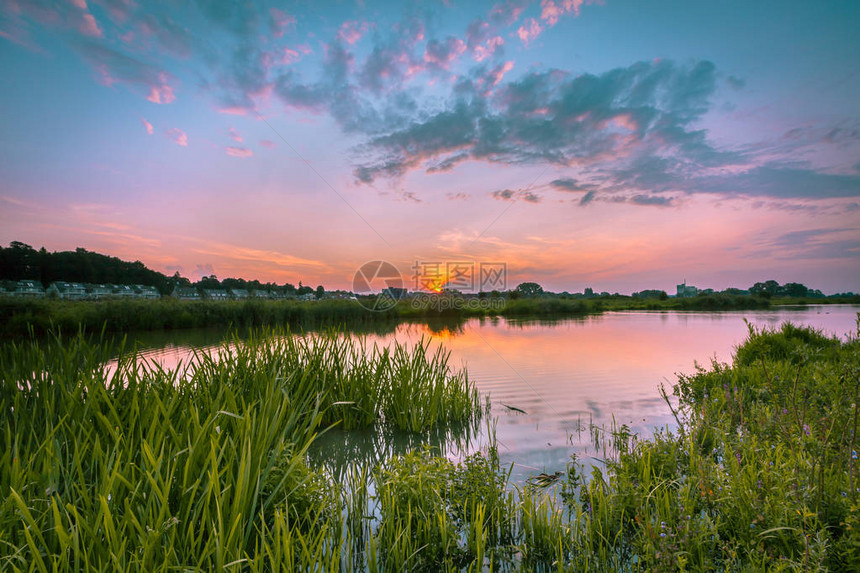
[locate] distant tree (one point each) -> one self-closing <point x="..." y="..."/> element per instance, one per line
<point x="21" y="261"/>
<point x="795" y="290"/>
<point x="529" y="289"/>
<point x="320" y="291"/>
<point x="771" y="288"/>
<point x="179" y="280"/>
<point x="210" y="282"/>
<point x="649" y="293"/>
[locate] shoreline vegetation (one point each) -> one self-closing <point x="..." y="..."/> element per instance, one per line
<point x="205" y="467"/>
<point x="20" y="316"/>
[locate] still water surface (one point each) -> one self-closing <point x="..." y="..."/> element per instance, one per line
<point x="564" y="374"/>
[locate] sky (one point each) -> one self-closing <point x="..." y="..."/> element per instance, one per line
<point x="618" y="144"/>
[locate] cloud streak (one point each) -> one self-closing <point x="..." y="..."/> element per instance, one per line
<point x="177" y="136"/>
<point x="114" y="67"/>
<point x="240" y="152"/>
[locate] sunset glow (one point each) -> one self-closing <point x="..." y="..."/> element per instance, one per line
<point x="617" y="145"/>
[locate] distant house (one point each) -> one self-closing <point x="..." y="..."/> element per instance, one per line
<point x="122" y="291"/>
<point x="239" y="293"/>
<point x="97" y="292"/>
<point x="148" y="292"/>
<point x="258" y="293"/>
<point x="216" y="294"/>
<point x="185" y="293"/>
<point x="308" y="296"/>
<point x="338" y="295"/>
<point x="684" y="290"/>
<point x="28" y="289"/>
<point x="67" y="291"/>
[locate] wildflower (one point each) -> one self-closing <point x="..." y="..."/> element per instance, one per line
<point x="806" y="429"/>
<point x="853" y="454"/>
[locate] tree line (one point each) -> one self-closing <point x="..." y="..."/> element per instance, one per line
<point x="20" y="261"/>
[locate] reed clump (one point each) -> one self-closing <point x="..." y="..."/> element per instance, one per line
<point x="134" y="467"/>
<point x="760" y="474"/>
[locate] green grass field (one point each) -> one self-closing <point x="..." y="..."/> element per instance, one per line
<point x="20" y="317"/>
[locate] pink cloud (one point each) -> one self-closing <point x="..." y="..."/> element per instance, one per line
<point x="280" y="21"/>
<point x="441" y="54"/>
<point x="161" y="93"/>
<point x="147" y="126"/>
<point x="89" y="26"/>
<point x="529" y="31"/>
<point x="234" y="135"/>
<point x="116" y="67"/>
<point x="351" y="32"/>
<point x="485" y="51"/>
<point x="119" y="10"/>
<point x="497" y="73"/>
<point x="268" y="143"/>
<point x="238" y="152"/>
<point x="289" y="55"/>
<point x="551" y="11"/>
<point x="508" y="12"/>
<point x="178" y="136"/>
<point x="493" y="77"/>
<point x="625" y="121"/>
<point x="235" y="110"/>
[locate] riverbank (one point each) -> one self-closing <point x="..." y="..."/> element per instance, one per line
<point x="20" y="316"/>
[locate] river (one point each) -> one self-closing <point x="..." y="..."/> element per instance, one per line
<point x="551" y="382"/>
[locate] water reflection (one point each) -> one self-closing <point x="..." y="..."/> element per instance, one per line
<point x="565" y="375"/>
<point x="336" y="450"/>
